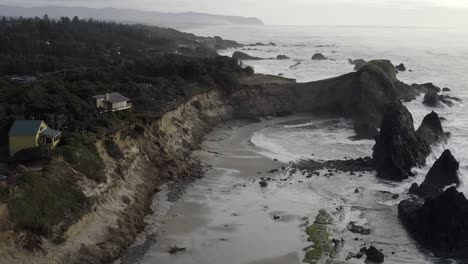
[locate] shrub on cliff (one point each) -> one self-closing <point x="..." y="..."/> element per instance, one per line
<point x="81" y="153"/>
<point x="45" y="200"/>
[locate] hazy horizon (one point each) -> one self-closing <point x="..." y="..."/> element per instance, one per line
<point x="414" y="13"/>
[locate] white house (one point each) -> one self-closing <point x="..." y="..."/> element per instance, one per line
<point x="112" y="102"/>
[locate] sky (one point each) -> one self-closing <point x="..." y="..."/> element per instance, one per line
<point x="443" y="13"/>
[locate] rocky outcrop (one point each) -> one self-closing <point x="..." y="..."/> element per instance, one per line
<point x="439" y="224"/>
<point x="244" y="56"/>
<point x="443" y="173"/>
<point x="401" y="67"/>
<point x="439" y="100"/>
<point x="398" y="147"/>
<point x="446" y="89"/>
<point x="282" y="57"/>
<point x="358" y="64"/>
<point x="431" y="129"/>
<point x="319" y="56"/>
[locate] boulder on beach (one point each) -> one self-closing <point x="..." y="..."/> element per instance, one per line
<point x="319" y="56"/>
<point x="282" y="57"/>
<point x="439" y="224"/>
<point x="446" y="90"/>
<point x="443" y="173"/>
<point x="438" y="100"/>
<point x="374" y="255"/>
<point x="401" y="67"/>
<point x="398" y="147"/>
<point x="431" y="129"/>
<point x="244" y="56"/>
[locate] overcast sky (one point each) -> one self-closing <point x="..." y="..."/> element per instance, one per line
<point x="300" y="12"/>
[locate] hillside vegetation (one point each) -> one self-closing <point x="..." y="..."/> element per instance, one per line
<point x="72" y="60"/>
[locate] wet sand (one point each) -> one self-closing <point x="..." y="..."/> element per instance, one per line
<point x="226" y="217"/>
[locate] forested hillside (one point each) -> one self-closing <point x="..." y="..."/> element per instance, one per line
<point x="50" y="70"/>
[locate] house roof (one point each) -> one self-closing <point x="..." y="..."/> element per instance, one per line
<point x="50" y="133"/>
<point x="113" y="97"/>
<point x="25" y="127"/>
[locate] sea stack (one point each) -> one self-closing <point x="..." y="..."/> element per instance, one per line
<point x="398" y="147"/>
<point x="431" y="129"/>
<point x="439" y="224"/>
<point x="443" y="173"/>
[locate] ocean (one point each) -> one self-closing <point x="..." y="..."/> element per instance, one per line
<point x="228" y="218"/>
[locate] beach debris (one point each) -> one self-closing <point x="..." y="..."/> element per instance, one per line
<point x="175" y="250"/>
<point x="263" y="184"/>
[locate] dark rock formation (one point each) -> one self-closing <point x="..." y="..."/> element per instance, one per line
<point x="439" y="224"/>
<point x="428" y="88"/>
<point x="244" y="56"/>
<point x="374" y="255"/>
<point x="431" y="129"/>
<point x="446" y="90"/>
<point x="401" y="67"/>
<point x="398" y="147"/>
<point x="319" y="56"/>
<point x="361" y="96"/>
<point x="443" y="173"/>
<point x="358" y="64"/>
<point x="354" y="228"/>
<point x="282" y="57"/>
<point x="437" y="100"/>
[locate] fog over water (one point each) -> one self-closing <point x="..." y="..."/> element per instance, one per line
<point x="422" y="13"/>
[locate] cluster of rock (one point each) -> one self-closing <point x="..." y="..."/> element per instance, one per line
<point x="437" y="219"/>
<point x="434" y="99"/>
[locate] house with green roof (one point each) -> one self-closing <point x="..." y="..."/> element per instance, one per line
<point x="25" y="134"/>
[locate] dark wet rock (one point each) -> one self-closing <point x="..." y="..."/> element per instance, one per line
<point x="443" y="173"/>
<point x="439" y="224"/>
<point x="319" y="56"/>
<point x="244" y="56"/>
<point x="374" y="255"/>
<point x="446" y="90"/>
<point x="438" y="100"/>
<point x="354" y="228"/>
<point x="282" y="57"/>
<point x="431" y="129"/>
<point x="398" y="147"/>
<point x="356" y="191"/>
<point x="312" y="167"/>
<point x="358" y="64"/>
<point x="401" y="67"/>
<point x="263" y="184"/>
<point x="276" y="217"/>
